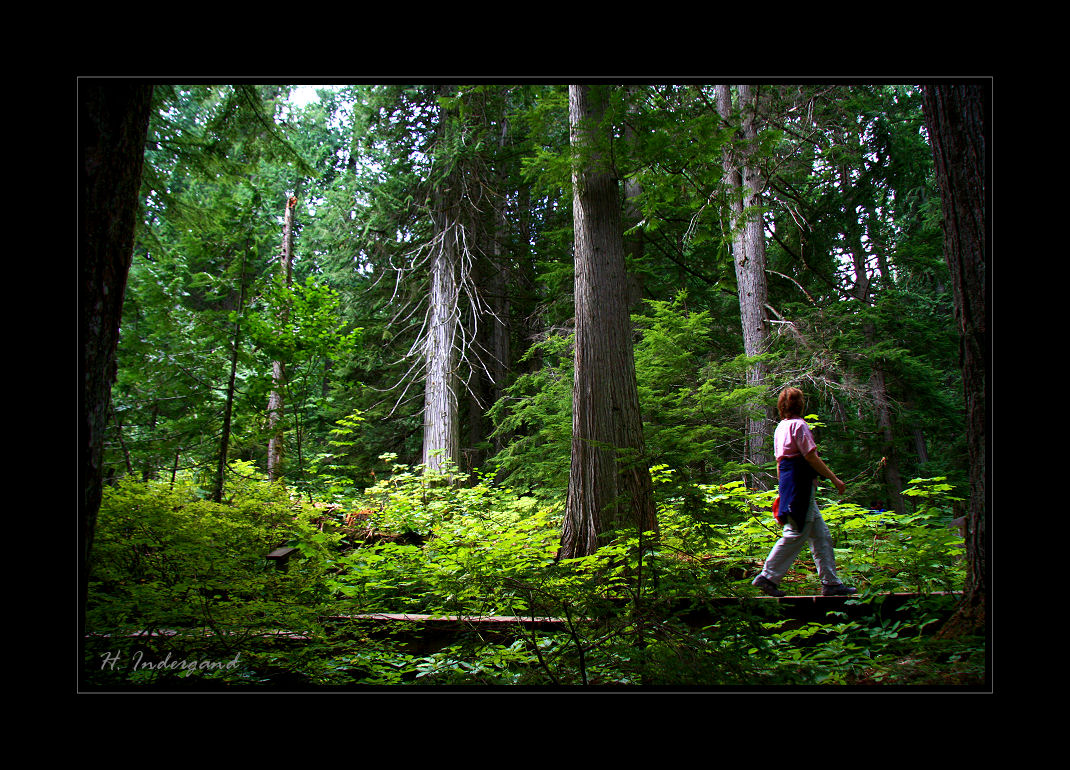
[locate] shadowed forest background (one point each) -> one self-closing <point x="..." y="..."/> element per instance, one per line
<point x="514" y="350"/>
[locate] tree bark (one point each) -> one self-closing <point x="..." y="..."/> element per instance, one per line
<point x="609" y="482"/>
<point x="276" y="400"/>
<point x="113" y="122"/>
<point x="441" y="443"/>
<point x="957" y="120"/>
<point x="440" y="393"/>
<point x="744" y="185"/>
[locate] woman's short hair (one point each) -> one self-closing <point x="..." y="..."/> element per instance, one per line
<point x="790" y="403"/>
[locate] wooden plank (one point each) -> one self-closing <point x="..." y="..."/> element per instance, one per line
<point x="479" y="621"/>
<point x="276" y="633"/>
<point x="801" y="602"/>
<point x="801" y="606"/>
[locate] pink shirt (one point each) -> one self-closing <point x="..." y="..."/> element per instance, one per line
<point x="792" y="438"/>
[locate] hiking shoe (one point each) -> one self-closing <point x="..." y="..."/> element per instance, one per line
<point x="838" y="590"/>
<point x="768" y="586"/>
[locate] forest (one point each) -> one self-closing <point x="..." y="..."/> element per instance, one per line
<point x="474" y="385"/>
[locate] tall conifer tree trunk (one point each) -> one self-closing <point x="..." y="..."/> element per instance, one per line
<point x="609" y="482"/>
<point x="276" y="400"/>
<point x="744" y="184"/>
<point x="441" y="442"/>
<point x="113" y="122"/>
<point x="956" y="117"/>
<point x="441" y="422"/>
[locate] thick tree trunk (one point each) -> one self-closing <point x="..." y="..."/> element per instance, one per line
<point x="113" y="122"/>
<point x="744" y="185"/>
<point x="957" y="121"/>
<point x="609" y="482"/>
<point x="441" y="422"/>
<point x="276" y="400"/>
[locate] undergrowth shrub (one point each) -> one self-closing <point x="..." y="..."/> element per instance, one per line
<point x="921" y="551"/>
<point x="174" y="569"/>
<point x="482" y="546"/>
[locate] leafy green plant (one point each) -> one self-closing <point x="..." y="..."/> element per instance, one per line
<point x="477" y="541"/>
<point x="732" y="526"/>
<point x="878" y="648"/>
<point x="919" y="551"/>
<point x="333" y="473"/>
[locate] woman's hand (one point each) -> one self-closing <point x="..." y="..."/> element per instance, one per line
<point x="823" y="470"/>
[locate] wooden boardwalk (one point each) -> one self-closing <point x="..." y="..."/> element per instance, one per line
<point x="491" y="622"/>
<point x="694" y="612"/>
<point x="792" y="606"/>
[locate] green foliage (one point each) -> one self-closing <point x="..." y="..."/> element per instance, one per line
<point x="921" y="551"/>
<point x="536" y="414"/>
<point x="314" y="325"/>
<point x="333" y="472"/>
<point x="877" y="647"/>
<point x="213" y="189"/>
<point x="694" y="407"/>
<point x="167" y="561"/>
<point x="548" y="165"/>
<point x="477" y="538"/>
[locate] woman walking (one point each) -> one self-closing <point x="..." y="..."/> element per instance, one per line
<point x="798" y="469"/>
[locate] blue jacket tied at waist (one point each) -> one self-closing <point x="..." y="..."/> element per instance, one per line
<point x="795" y="488"/>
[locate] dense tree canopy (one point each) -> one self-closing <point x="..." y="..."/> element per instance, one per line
<point x="857" y="305"/>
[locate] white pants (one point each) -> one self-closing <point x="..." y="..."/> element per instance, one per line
<point x="817" y="534"/>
